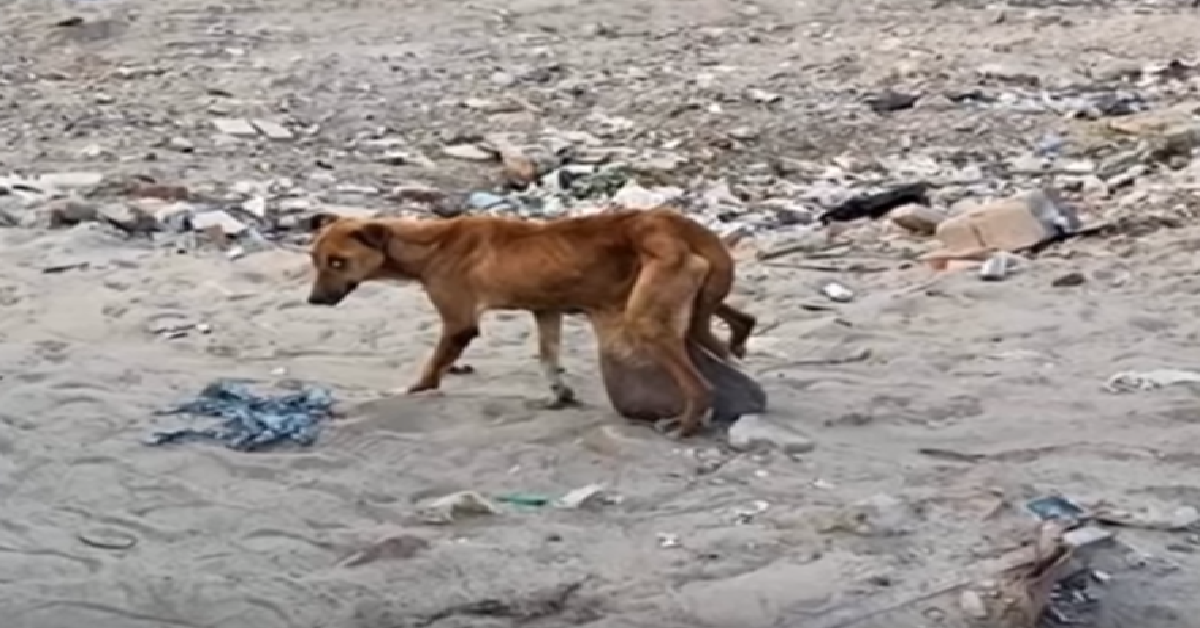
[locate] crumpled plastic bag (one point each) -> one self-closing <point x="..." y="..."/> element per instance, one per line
<point x="252" y="421"/>
<point x="1130" y="381"/>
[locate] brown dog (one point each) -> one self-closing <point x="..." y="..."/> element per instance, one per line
<point x="660" y="274"/>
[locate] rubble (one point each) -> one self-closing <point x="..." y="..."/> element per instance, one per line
<point x="752" y="432"/>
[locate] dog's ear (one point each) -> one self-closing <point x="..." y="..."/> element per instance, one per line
<point x="318" y="222"/>
<point x="373" y="235"/>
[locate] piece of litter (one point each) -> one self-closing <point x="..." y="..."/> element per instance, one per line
<point x="1055" y="509"/>
<point x="972" y="604"/>
<point x="1086" y="535"/>
<point x="582" y="497"/>
<point x="107" y="538"/>
<point x="996" y="268"/>
<point x="837" y="293"/>
<point x="744" y="516"/>
<point x="251" y="421"/>
<point x="667" y="540"/>
<point x="62" y="268"/>
<point x="1128" y="381"/>
<point x="455" y="506"/>
<point x="523" y="499"/>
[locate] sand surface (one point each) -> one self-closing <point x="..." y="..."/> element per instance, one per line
<point x="700" y="536"/>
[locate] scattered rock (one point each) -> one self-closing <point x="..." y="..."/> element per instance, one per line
<point x="754" y="432"/>
<point x="218" y="220"/>
<point x="70" y="181"/>
<point x="181" y="144"/>
<point x="398" y="547"/>
<point x="917" y="218"/>
<point x="590" y="495"/>
<point x="272" y="130"/>
<point x="1069" y="280"/>
<point x="236" y="128"/>
<point x="456" y="507"/>
<point x="468" y="152"/>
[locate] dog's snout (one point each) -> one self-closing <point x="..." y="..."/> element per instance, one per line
<point x="322" y="299"/>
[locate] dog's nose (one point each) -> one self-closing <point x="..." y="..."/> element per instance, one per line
<point x="319" y="299"/>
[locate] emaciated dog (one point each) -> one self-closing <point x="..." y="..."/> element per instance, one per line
<point x="650" y="281"/>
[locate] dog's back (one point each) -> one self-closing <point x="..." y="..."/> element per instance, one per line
<point x="582" y="263"/>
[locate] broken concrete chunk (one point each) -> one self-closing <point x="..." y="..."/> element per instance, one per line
<point x="457" y="506"/>
<point x="346" y="211"/>
<point x="468" y="152"/>
<point x="273" y="130"/>
<point x="753" y="431"/>
<point x="590" y="495"/>
<point x="1007" y="225"/>
<point x="236" y="128"/>
<point x="917" y="218"/>
<point x="70" y="180"/>
<point x="128" y="217"/>
<point x="218" y="219"/>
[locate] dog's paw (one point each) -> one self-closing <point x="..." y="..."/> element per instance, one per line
<point x="561" y="397"/>
<point x="671" y="428"/>
<point x="421" y="391"/>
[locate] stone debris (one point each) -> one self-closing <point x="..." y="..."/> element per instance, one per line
<point x="754" y="432"/>
<point x="1116" y="151"/>
<point x="456" y="507"/>
<point x="272" y="130"/>
<point x="236" y="128"/>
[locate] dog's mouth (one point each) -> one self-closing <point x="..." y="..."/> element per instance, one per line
<point x="330" y="297"/>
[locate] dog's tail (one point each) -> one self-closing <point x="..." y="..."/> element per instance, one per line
<point x="710" y="299"/>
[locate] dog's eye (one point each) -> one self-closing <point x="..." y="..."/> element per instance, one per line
<point x="337" y="263"/>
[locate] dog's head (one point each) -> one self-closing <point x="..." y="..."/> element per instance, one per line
<point x="345" y="253"/>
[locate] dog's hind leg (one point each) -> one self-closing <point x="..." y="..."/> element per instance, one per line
<point x="741" y="325"/>
<point x="658" y="316"/>
<point x="549" y="328"/>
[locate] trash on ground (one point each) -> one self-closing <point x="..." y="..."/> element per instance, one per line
<point x="667" y="540"/>
<point x="252" y="421"/>
<point x="878" y="205"/>
<point x="1177" y="519"/>
<point x="457" y="506"/>
<point x="997" y="267"/>
<point x="837" y="292"/>
<point x="1009" y="225"/>
<point x="395" y="547"/>
<point x="1069" y="280"/>
<point x="523" y="499"/>
<point x="745" y="516"/>
<point x="1030" y="590"/>
<point x="1129" y="381"/>
<point x="754" y="432"/>
<point x="1054" y="508"/>
<point x="1084" y="536"/>
<point x="918" y="219"/>
<point x="108" y="538"/>
<point x="583" y="497"/>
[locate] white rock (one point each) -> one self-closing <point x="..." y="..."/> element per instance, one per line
<point x="70" y="180"/>
<point x="236" y="128"/>
<point x="220" y="219"/>
<point x="273" y="130"/>
<point x="583" y="497"/>
<point x="753" y="431"/>
<point x="456" y="506"/>
<point x="634" y="196"/>
<point x="468" y="152"/>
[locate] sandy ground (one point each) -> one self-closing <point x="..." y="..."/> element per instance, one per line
<point x="1011" y="371"/>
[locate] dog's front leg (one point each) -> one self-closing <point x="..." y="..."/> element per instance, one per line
<point x="549" y="327"/>
<point x="459" y="327"/>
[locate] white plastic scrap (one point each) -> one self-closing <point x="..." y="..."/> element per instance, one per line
<point x="1129" y="381"/>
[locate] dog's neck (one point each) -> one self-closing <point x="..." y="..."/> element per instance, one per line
<point x="413" y="246"/>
